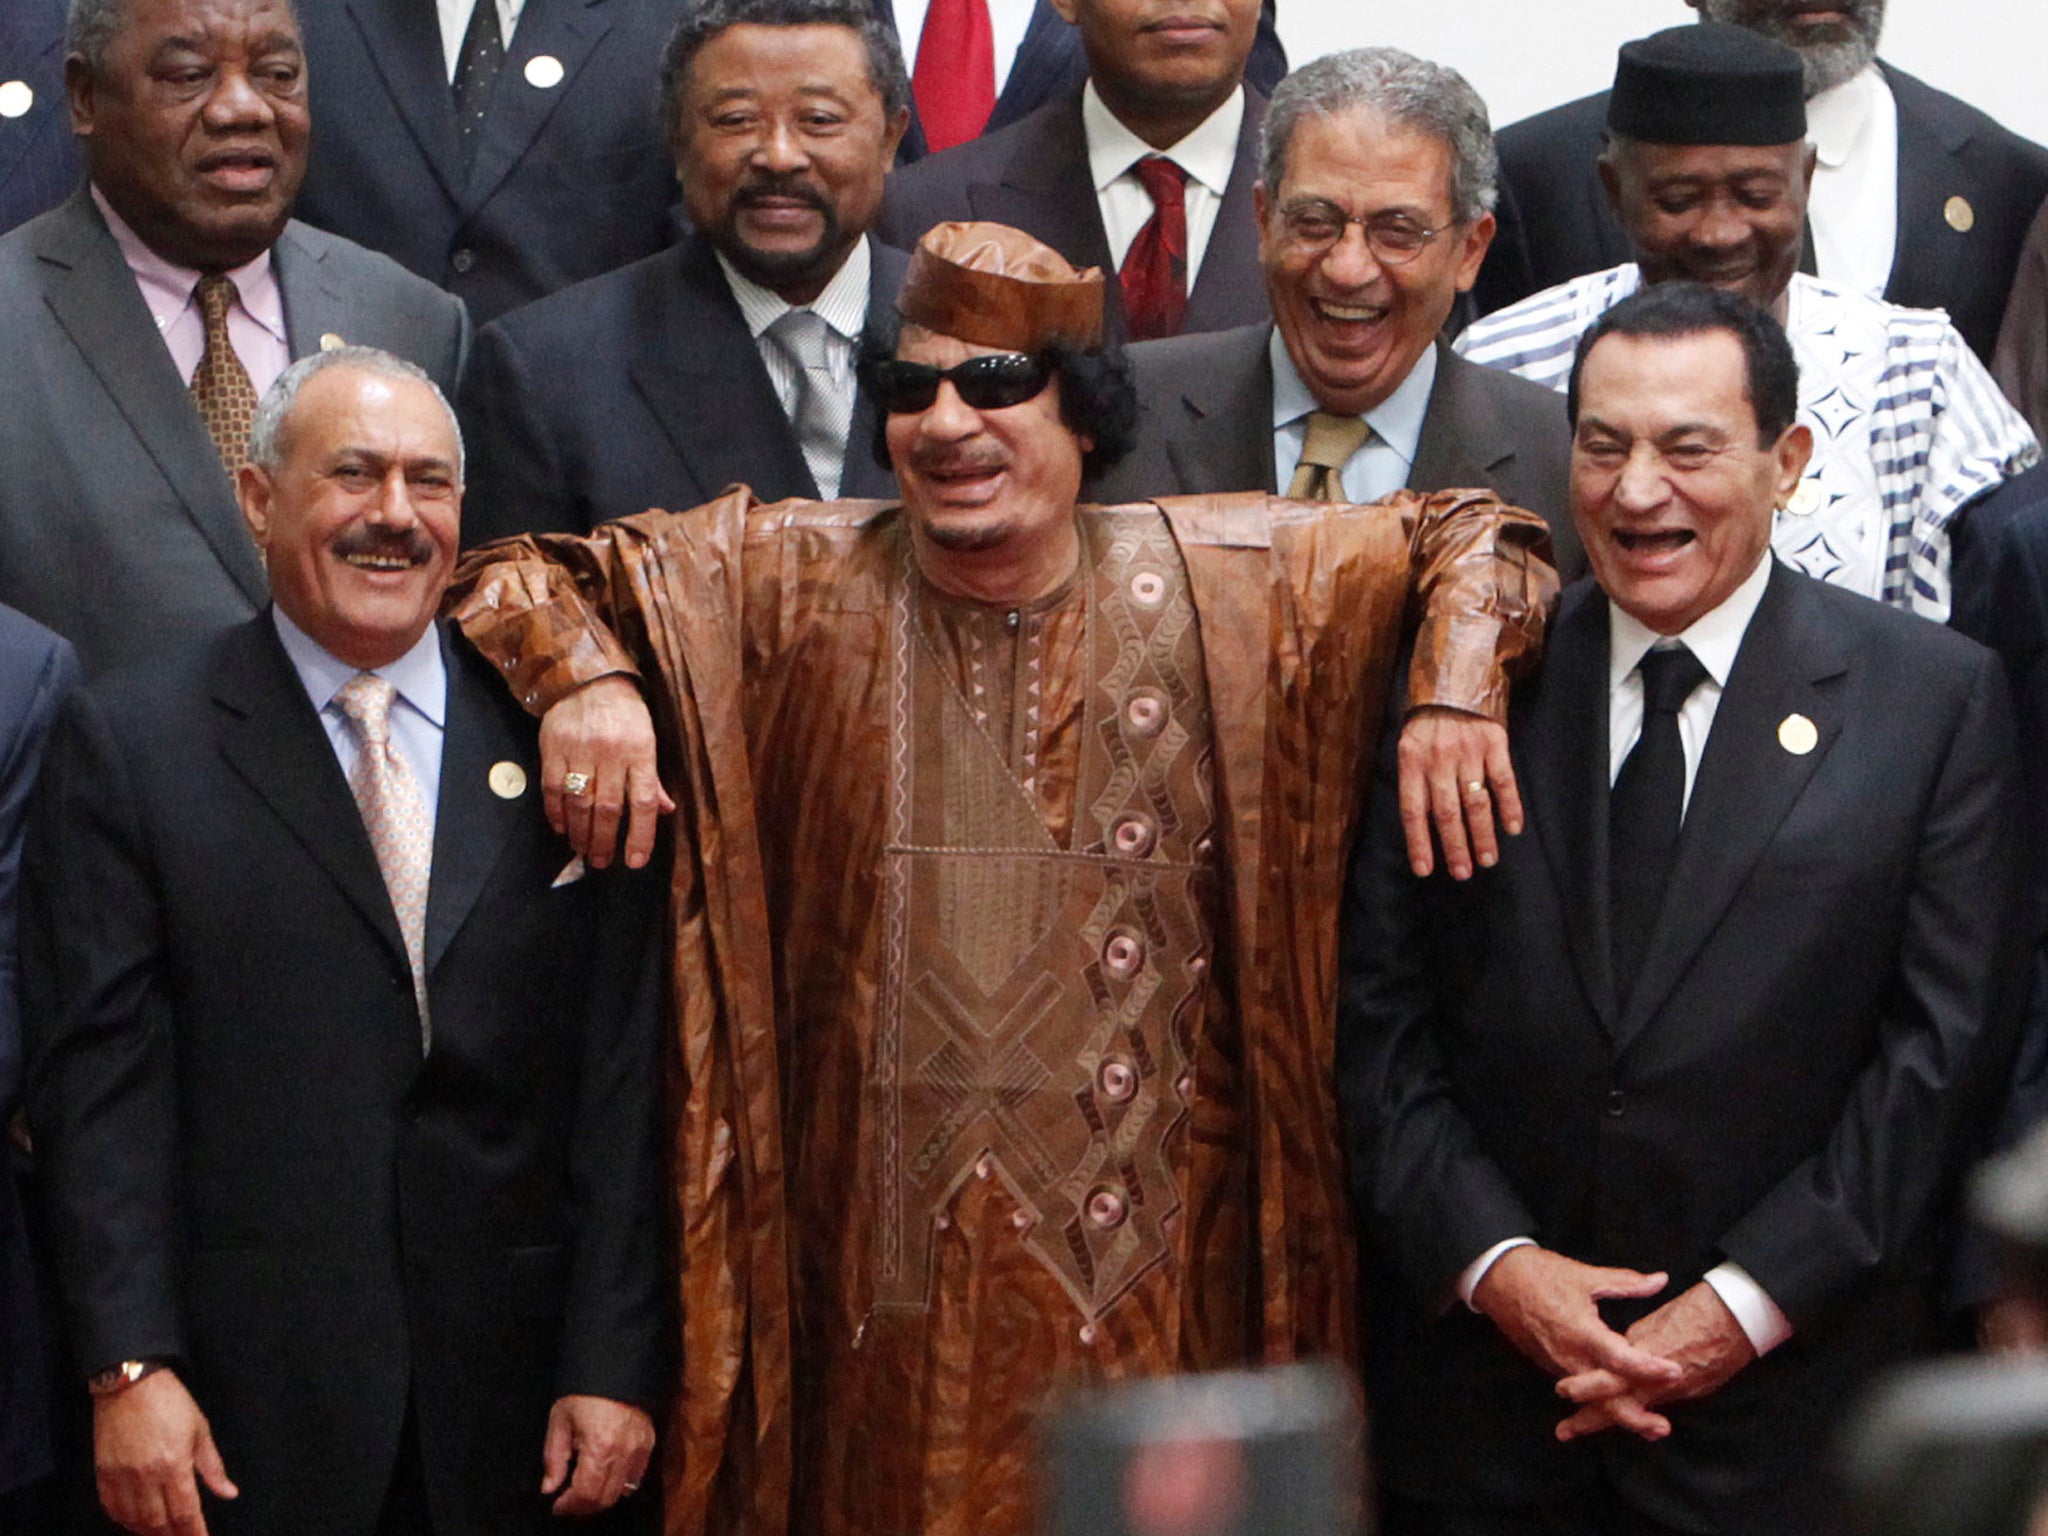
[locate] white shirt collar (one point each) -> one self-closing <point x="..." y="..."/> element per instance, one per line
<point x="420" y="675"/>
<point x="1839" y="117"/>
<point x="1714" y="637"/>
<point x="1396" y="421"/>
<point x="1207" y="154"/>
<point x="843" y="305"/>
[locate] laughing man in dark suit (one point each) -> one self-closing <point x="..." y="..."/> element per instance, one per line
<point x="1651" y="1126"/>
<point x="345" y="1085"/>
<point x="1399" y="147"/>
<point x="668" y="380"/>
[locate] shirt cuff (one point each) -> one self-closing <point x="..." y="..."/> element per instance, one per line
<point x="1758" y="1315"/>
<point x="1473" y="1273"/>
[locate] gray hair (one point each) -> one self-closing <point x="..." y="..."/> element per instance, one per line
<point x="1403" y="91"/>
<point x="90" y="27"/>
<point x="273" y="411"/>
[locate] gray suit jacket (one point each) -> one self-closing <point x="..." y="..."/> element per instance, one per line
<point x="1034" y="176"/>
<point x="1206" y="425"/>
<point x="118" y="527"/>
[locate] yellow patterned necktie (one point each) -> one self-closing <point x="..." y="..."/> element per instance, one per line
<point x="1331" y="442"/>
<point x="220" y="384"/>
<point x="395" y="815"/>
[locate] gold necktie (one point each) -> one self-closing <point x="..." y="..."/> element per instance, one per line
<point x="220" y="384"/>
<point x="1331" y="441"/>
<point x="395" y="815"/>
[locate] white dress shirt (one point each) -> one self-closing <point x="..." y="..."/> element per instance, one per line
<point x="1714" y="638"/>
<point x="1207" y="155"/>
<point x="1386" y="459"/>
<point x="843" y="306"/>
<point x="419" y="714"/>
<point x="1009" y="20"/>
<point x="1854" y="206"/>
<point x="455" y="16"/>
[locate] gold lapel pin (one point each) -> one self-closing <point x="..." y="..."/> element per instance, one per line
<point x="544" y="71"/>
<point x="1798" y="735"/>
<point x="329" y="342"/>
<point x="508" y="780"/>
<point x="1962" y="218"/>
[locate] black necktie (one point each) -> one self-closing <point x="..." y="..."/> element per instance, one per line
<point x="1645" y="808"/>
<point x="482" y="56"/>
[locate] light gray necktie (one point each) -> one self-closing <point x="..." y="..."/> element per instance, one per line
<point x="823" y="413"/>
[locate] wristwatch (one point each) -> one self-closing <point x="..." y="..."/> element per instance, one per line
<point x="118" y="1378"/>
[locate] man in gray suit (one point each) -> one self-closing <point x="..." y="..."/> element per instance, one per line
<point x="1350" y="394"/>
<point x="118" y="524"/>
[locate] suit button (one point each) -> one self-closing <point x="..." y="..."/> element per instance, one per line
<point x="1617" y="1103"/>
<point x="463" y="260"/>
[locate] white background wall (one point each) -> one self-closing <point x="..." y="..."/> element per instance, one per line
<point x="1525" y="55"/>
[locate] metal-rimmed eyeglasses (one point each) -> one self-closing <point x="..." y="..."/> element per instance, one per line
<point x="1315" y="225"/>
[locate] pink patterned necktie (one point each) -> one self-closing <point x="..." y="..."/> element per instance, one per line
<point x="395" y="815"/>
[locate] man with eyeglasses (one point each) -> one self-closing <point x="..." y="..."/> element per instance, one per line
<point x="1008" y="841"/>
<point x="1374" y="213"/>
<point x="1708" y="169"/>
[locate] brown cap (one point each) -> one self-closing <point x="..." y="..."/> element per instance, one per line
<point x="997" y="287"/>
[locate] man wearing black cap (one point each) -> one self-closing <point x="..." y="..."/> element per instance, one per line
<point x="1708" y="168"/>
<point x="1918" y="197"/>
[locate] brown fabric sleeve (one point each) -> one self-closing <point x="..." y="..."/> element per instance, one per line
<point x="1484" y="585"/>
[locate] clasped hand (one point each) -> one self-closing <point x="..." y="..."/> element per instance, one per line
<point x="1547" y="1306"/>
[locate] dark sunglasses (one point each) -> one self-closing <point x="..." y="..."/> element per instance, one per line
<point x="989" y="383"/>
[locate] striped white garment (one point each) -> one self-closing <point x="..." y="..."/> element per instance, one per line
<point x="1908" y="426"/>
<point x="843" y="306"/>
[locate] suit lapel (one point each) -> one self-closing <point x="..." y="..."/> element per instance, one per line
<point x="699" y="351"/>
<point x="269" y="734"/>
<point x="403" y="38"/>
<point x="1233" y="249"/>
<point x="94" y="297"/>
<point x="1046" y="188"/>
<point x="564" y="30"/>
<point x="1928" y="251"/>
<point x="1046" y="50"/>
<point x="1462" y="440"/>
<point x="1747" y="782"/>
<point x="860" y="475"/>
<point x="1566" y="766"/>
<point x="1226" y="435"/>
<point x="473" y="824"/>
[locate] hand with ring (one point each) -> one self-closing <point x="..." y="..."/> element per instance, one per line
<point x="1457" y="790"/>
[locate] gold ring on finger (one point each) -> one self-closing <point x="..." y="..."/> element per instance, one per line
<point x="575" y="784"/>
<point x="1475" y="789"/>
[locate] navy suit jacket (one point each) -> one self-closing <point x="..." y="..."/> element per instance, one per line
<point x="1034" y="177"/>
<point x="1555" y="222"/>
<point x="39" y="160"/>
<point x="568" y="179"/>
<point x="1050" y="64"/>
<point x="1822" y="1019"/>
<point x="36" y="671"/>
<point x="642" y="388"/>
<point x="249" y="1165"/>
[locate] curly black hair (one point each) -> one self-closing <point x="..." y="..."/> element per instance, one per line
<point x="1098" y="399"/>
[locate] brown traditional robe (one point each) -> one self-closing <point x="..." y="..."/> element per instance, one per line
<point x="1005" y="955"/>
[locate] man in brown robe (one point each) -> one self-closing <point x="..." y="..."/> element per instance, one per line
<point x="1009" y="837"/>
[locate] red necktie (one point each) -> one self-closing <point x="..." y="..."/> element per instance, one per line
<point x="955" y="78"/>
<point x="1155" y="270"/>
